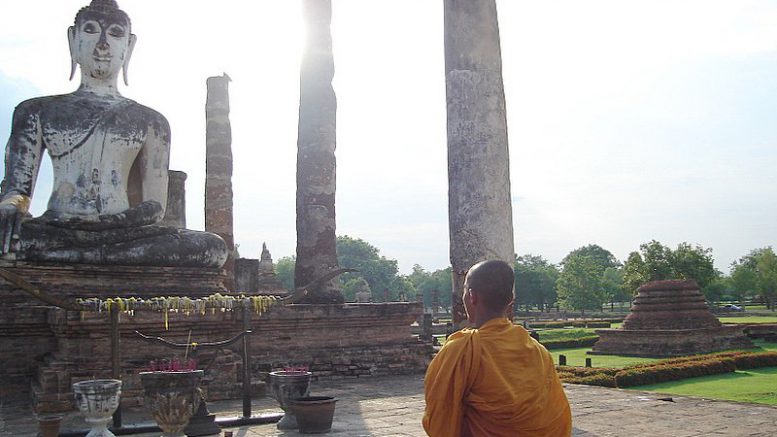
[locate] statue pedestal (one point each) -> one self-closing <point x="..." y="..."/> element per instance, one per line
<point x="47" y="346"/>
<point x="83" y="280"/>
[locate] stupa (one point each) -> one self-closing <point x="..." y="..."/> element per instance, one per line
<point x="268" y="281"/>
<point x="670" y="319"/>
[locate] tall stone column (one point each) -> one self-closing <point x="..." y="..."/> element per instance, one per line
<point x="316" y="252"/>
<point x="479" y="208"/>
<point x="218" y="168"/>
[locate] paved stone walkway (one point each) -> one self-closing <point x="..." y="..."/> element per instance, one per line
<point x="393" y="406"/>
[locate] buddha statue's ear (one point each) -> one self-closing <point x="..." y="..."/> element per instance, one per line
<point x="71" y="41"/>
<point x="128" y="55"/>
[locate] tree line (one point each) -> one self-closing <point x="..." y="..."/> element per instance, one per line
<point x="587" y="278"/>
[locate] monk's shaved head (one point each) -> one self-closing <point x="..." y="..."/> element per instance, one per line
<point x="492" y="281"/>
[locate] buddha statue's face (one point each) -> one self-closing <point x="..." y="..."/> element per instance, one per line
<point x="100" y="44"/>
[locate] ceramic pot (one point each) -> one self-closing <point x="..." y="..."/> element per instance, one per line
<point x="97" y="399"/>
<point x="314" y="413"/>
<point x="48" y="426"/>
<point x="286" y="386"/>
<point x="172" y="398"/>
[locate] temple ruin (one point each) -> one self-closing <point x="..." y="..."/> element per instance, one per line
<point x="670" y="319"/>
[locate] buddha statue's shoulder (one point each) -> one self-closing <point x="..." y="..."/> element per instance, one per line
<point x="137" y="112"/>
<point x="74" y="108"/>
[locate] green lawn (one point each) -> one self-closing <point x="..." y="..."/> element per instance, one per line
<point x="748" y="319"/>
<point x="577" y="356"/>
<point x="754" y="385"/>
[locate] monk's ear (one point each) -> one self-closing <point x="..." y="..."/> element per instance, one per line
<point x="474" y="297"/>
<point x="127" y="55"/>
<point x="71" y="42"/>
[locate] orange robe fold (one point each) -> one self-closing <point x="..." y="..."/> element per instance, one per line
<point x="494" y="381"/>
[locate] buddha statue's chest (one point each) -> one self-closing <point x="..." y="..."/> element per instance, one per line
<point x="106" y="133"/>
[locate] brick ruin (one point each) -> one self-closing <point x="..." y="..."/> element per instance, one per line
<point x="670" y="319"/>
<point x="45" y="350"/>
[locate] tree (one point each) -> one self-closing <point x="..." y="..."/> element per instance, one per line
<point x="579" y="286"/>
<point x="425" y="282"/>
<point x="766" y="268"/>
<point x="744" y="277"/>
<point x="612" y="286"/>
<point x="379" y="271"/>
<point x="601" y="257"/>
<point x="353" y="287"/>
<point x="715" y="289"/>
<point x="535" y="282"/>
<point x="284" y="268"/>
<point x="634" y="273"/>
<point x="694" y="262"/>
<point x="655" y="262"/>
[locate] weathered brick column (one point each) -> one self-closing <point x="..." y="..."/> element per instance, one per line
<point x="479" y="208"/>
<point x="316" y="252"/>
<point x="175" y="213"/>
<point x="218" y="168"/>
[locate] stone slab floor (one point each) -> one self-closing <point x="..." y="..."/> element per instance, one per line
<point x="393" y="406"/>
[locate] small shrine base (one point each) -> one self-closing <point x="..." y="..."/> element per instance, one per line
<point x="669" y="342"/>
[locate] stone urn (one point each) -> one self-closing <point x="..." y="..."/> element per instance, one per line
<point x="286" y="386"/>
<point x="172" y="397"/>
<point x="314" y="413"/>
<point x="98" y="399"/>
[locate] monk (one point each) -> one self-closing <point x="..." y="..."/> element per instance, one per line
<point x="493" y="379"/>
<point x="110" y="159"/>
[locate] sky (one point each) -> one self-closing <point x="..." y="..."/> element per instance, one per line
<point x="628" y="121"/>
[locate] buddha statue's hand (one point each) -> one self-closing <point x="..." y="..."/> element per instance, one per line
<point x="12" y="210"/>
<point x="145" y="213"/>
<point x="10" y="224"/>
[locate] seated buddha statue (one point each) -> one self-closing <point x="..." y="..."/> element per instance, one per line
<point x="110" y="160"/>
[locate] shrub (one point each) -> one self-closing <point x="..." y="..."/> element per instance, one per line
<point x="667" y="370"/>
<point x="547" y="324"/>
<point x="755" y="360"/>
<point x="563" y="344"/>
<point x="586" y="371"/>
<point x="635" y="376"/>
<point x="601" y="379"/>
<point x="597" y="324"/>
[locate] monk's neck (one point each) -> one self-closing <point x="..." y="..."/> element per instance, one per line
<point x="480" y="321"/>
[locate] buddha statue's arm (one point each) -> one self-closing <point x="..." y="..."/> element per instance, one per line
<point x="23" y="155"/>
<point x="154" y="160"/>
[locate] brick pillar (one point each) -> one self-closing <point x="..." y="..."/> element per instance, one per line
<point x="479" y="203"/>
<point x="316" y="251"/>
<point x="218" y="168"/>
<point x="175" y="213"/>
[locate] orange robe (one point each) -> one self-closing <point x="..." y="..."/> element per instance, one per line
<point x="494" y="381"/>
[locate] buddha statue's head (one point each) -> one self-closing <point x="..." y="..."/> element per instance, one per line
<point x="101" y="40"/>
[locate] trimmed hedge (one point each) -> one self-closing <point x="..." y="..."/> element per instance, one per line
<point x="667" y="370"/>
<point x="673" y="372"/>
<point x="573" y="323"/>
<point x="599" y="380"/>
<point x="547" y="324"/>
<point x="563" y="344"/>
<point x="754" y="361"/>
<point x="591" y="324"/>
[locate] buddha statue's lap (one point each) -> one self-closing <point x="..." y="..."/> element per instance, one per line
<point x="107" y="153"/>
<point x="152" y="245"/>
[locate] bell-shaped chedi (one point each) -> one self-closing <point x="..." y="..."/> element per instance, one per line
<point x="668" y="319"/>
